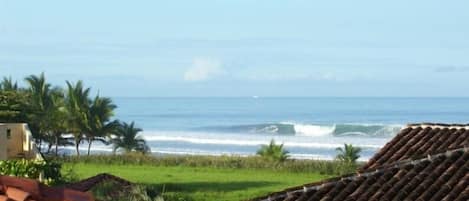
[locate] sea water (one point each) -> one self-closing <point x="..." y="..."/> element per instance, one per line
<point x="309" y="128"/>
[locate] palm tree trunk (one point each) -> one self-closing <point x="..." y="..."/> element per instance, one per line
<point x="56" y="145"/>
<point x="77" y="145"/>
<point x="40" y="146"/>
<point x="89" y="146"/>
<point x="49" y="147"/>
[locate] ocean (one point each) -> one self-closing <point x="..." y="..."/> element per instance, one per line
<point x="309" y="128"/>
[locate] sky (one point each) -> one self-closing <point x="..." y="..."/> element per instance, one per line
<point x="234" y="48"/>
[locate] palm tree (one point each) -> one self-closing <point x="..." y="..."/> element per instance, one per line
<point x="273" y="152"/>
<point x="348" y="154"/>
<point x="7" y="84"/>
<point x="57" y="119"/>
<point x="100" y="112"/>
<point x="77" y="103"/>
<point x="128" y="140"/>
<point x="41" y="103"/>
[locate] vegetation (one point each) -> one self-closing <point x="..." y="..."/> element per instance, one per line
<point x="348" y="154"/>
<point x="273" y="152"/>
<point x="128" y="139"/>
<point x="7" y="84"/>
<point x="13" y="106"/>
<point x="183" y="183"/>
<point x="221" y="162"/>
<point x="32" y="169"/>
<point x="52" y="112"/>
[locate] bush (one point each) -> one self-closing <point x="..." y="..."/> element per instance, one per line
<point x="32" y="169"/>
<point x="273" y="152"/>
<point x="348" y="154"/>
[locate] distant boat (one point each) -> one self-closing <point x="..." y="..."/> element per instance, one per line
<point x="255" y="97"/>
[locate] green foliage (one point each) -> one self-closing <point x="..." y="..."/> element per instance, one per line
<point x="99" y="126"/>
<point x="128" y="140"/>
<point x="7" y="84"/>
<point x="13" y="106"/>
<point x="51" y="112"/>
<point x="32" y="169"/>
<point x="348" y="154"/>
<point x="222" y="162"/>
<point x="77" y="104"/>
<point x="273" y="152"/>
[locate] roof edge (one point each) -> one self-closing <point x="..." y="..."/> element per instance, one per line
<point x="332" y="181"/>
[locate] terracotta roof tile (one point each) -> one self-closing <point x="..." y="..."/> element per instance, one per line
<point x="19" y="188"/>
<point x="441" y="177"/>
<point x="419" y="140"/>
<point x="423" y="162"/>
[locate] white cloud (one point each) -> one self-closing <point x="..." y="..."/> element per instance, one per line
<point x="203" y="69"/>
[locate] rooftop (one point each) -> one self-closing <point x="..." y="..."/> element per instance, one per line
<point x="21" y="189"/>
<point x="423" y="162"/>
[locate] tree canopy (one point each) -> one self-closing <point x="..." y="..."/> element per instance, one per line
<point x="54" y="114"/>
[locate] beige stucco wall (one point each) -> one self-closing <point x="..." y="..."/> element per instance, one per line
<point x="3" y="142"/>
<point x="19" y="145"/>
<point x="15" y="143"/>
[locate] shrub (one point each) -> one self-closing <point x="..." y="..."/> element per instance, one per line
<point x="32" y="169"/>
<point x="273" y="152"/>
<point x="348" y="154"/>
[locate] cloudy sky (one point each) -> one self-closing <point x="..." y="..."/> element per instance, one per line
<point x="241" y="47"/>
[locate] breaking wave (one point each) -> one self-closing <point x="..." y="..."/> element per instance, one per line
<point x="313" y="130"/>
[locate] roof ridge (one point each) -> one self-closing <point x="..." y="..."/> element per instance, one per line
<point x="333" y="181"/>
<point x="429" y="124"/>
<point x="410" y="160"/>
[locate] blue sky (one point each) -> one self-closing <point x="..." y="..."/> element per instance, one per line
<point x="242" y="47"/>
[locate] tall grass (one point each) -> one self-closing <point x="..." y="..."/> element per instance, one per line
<point x="235" y="162"/>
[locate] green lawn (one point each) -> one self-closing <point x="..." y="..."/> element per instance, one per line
<point x="202" y="183"/>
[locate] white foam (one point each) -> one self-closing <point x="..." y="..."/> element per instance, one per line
<point x="313" y="130"/>
<point x="248" y="142"/>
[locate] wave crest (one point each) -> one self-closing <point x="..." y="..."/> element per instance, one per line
<point x="313" y="130"/>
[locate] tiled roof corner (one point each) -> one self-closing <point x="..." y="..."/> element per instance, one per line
<point x="426" y="161"/>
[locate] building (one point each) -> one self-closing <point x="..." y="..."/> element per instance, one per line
<point x="423" y="162"/>
<point x="16" y="142"/>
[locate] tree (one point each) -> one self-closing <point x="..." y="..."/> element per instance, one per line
<point x="7" y="84"/>
<point x="77" y="104"/>
<point x="273" y="152"/>
<point x="348" y="154"/>
<point x="14" y="106"/>
<point x="57" y="117"/>
<point x="100" y="113"/>
<point x="128" y="140"/>
<point x="40" y="104"/>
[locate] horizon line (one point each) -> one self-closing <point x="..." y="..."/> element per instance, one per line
<point x="261" y="97"/>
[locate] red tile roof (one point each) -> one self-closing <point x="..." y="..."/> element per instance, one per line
<point x="420" y="140"/>
<point x="439" y="177"/>
<point x="14" y="187"/>
<point x="423" y="162"/>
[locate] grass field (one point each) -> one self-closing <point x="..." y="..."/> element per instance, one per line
<point x="201" y="183"/>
